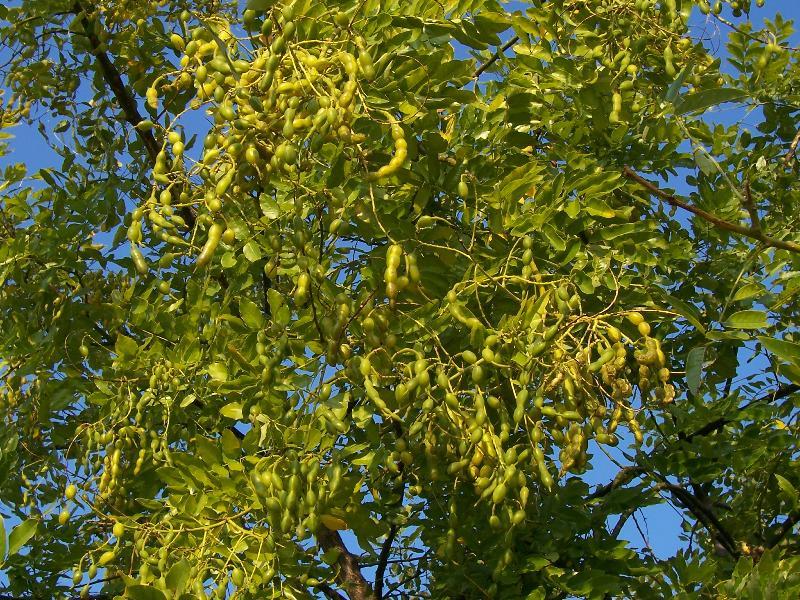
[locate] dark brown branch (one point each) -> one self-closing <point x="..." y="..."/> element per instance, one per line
<point x="786" y="528"/>
<point x="382" y="561"/>
<point x="112" y="76"/>
<point x="623" y="518"/>
<point x="751" y="207"/>
<point x="705" y="515"/>
<point x="792" y="149"/>
<point x="125" y="99"/>
<point x="349" y="575"/>
<point x="707" y="216"/>
<point x="495" y="57"/>
<point x="330" y="592"/>
<point x="717" y="424"/>
<point x="625" y="475"/>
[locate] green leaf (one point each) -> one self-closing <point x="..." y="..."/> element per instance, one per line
<point x="747" y="319"/>
<point x="251" y="314"/>
<point x="598" y="208"/>
<point x="126" y="347"/>
<point x="143" y="592"/>
<point x="231" y="445"/>
<point x="2" y="540"/>
<point x="178" y="575"/>
<point x="748" y="291"/>
<point x="704" y="99"/>
<point x="675" y="87"/>
<point x="536" y="563"/>
<point x="723" y="336"/>
<point x="787" y="351"/>
<point x="704" y="161"/>
<point x="20" y="535"/>
<point x="48" y="177"/>
<point x="787" y="488"/>
<point x="218" y="371"/>
<point x="614" y="231"/>
<point x="251" y="251"/>
<point x="232" y="411"/>
<point x="555" y="239"/>
<point x="269" y="207"/>
<point x="694" y="368"/>
<point x="687" y="311"/>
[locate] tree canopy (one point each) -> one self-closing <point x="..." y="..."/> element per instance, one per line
<point x="353" y="299"/>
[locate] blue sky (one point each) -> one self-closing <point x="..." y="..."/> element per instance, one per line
<point x="661" y="524"/>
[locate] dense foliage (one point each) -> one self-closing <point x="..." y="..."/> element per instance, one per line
<point x="350" y="298"/>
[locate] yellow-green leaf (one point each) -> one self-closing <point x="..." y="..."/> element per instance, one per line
<point x="747" y="319"/>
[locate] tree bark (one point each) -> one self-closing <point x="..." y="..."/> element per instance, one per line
<point x="349" y="576"/>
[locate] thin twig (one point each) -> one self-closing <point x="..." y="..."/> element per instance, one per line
<point x="383" y="559"/>
<point x="495" y="57"/>
<point x="625" y="475"/>
<point x="792" y="149"/>
<point x="786" y="528"/>
<point x="623" y="518"/>
<point x="713" y="219"/>
<point x="717" y="424"/>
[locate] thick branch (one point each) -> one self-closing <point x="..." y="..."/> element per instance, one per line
<point x="114" y="80"/>
<point x="495" y="57"/>
<point x="717" y="424"/>
<point x="752" y="233"/>
<point x="705" y="515"/>
<point x="349" y="575"/>
<point x="382" y="561"/>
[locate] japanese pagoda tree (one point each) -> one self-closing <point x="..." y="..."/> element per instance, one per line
<point x="355" y="298"/>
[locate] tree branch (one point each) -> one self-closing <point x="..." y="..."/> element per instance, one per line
<point x="752" y="233"/>
<point x="792" y="149"/>
<point x="114" y="79"/>
<point x="330" y="592"/>
<point x="717" y="424"/>
<point x="705" y="515"/>
<point x="125" y="99"/>
<point x="750" y="206"/>
<point x="623" y="518"/>
<point x="786" y="528"/>
<point x="625" y="475"/>
<point x="495" y="57"/>
<point x="349" y="575"/>
<point x="382" y="561"/>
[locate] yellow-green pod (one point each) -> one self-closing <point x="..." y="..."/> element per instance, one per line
<point x="135" y="232"/>
<point x="214" y="235"/>
<point x="669" y="68"/>
<point x="138" y="260"/>
<point x="366" y="65"/>
<point x="225" y="182"/>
